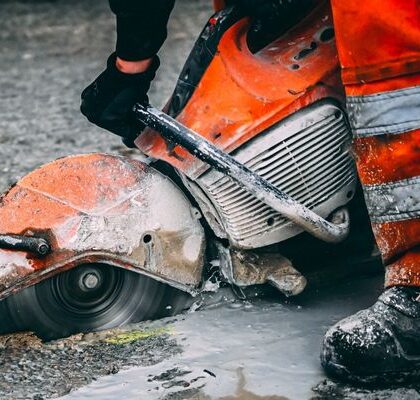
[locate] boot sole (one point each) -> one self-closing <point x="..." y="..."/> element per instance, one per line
<point x="389" y="378"/>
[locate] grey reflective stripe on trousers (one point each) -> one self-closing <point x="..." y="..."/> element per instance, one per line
<point x="394" y="201"/>
<point x="394" y="112"/>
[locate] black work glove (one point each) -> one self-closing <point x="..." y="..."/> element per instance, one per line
<point x="108" y="101"/>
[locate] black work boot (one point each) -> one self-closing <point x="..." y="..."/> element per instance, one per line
<point x="377" y="345"/>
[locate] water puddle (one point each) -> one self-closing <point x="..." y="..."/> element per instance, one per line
<point x="240" y="350"/>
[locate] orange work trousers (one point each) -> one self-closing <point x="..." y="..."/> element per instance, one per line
<point x="378" y="43"/>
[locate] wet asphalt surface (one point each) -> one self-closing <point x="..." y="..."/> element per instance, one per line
<point x="261" y="349"/>
<point x="50" y="50"/>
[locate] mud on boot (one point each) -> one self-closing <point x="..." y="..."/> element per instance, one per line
<point x="378" y="345"/>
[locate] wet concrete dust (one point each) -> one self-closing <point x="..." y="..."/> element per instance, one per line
<point x="240" y="394"/>
<point x="265" y="349"/>
<point x="259" y="349"/>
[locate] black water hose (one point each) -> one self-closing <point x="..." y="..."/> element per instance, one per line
<point x="335" y="231"/>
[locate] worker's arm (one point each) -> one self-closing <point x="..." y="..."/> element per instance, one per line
<point x="141" y="31"/>
<point x="141" y="27"/>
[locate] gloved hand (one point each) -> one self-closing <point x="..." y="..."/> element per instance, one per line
<point x="108" y="101"/>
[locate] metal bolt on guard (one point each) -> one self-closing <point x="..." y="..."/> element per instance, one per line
<point x="37" y="246"/>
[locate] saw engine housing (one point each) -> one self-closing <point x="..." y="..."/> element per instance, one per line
<point x="310" y="160"/>
<point x="279" y="112"/>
